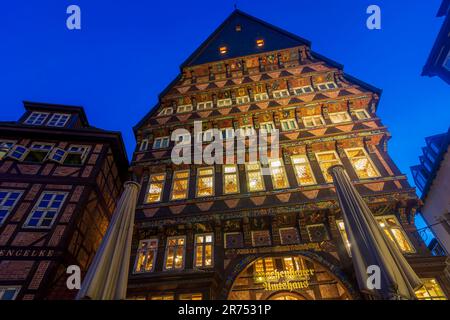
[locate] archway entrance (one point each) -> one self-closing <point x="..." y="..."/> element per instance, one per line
<point x="287" y="277"/>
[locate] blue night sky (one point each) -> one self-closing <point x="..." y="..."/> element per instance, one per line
<point x="128" y="51"/>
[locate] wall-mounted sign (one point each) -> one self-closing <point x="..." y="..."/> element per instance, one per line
<point x="284" y="280"/>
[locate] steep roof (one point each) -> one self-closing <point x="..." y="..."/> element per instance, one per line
<point x="243" y="42"/>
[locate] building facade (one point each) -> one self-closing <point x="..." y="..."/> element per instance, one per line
<point x="228" y="231"/>
<point x="432" y="177"/>
<point x="59" y="180"/>
<point x="438" y="63"/>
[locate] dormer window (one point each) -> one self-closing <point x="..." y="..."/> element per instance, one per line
<point x="36" y="118"/>
<point x="327" y="86"/>
<point x="260" y="43"/>
<point x="184" y="108"/>
<point x="204" y="105"/>
<point x="166" y="111"/>
<point x="281" y="94"/>
<point x="58" y="120"/>
<point x="223" y="50"/>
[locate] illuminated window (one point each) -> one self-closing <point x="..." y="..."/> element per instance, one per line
<point x="260" y="42"/>
<point x="203" y="250"/>
<point x="38" y="152"/>
<point x="58" y="120"/>
<point x="361" y="162"/>
<point x="238" y="28"/>
<point x="230" y="179"/>
<point x="326" y="160"/>
<point x="166" y="111"/>
<point x="242" y="100"/>
<point x="161" y="142"/>
<point x="204" y="105"/>
<point x="156" y="187"/>
<point x="267" y="127"/>
<point x="303" y="170"/>
<point x="327" y="86"/>
<point x="303" y="90"/>
<point x="262" y="267"/>
<point x="395" y="233"/>
<point x="289" y="124"/>
<point x="191" y="296"/>
<point x="224" y="102"/>
<point x="205" y="182"/>
<point x="36" y="118"/>
<point x="341" y="227"/>
<point x="338" y="117"/>
<point x="8" y="200"/>
<point x="5" y="147"/>
<point x="184" y="108"/>
<point x="76" y="154"/>
<point x="313" y="121"/>
<point x="46" y="210"/>
<point x="261" y="96"/>
<point x="431" y="290"/>
<point x="362" y="114"/>
<point x="180" y="185"/>
<point x="175" y="249"/>
<point x="293" y="264"/>
<point x="163" y="297"/>
<point x="223" y="50"/>
<point x="255" y="180"/>
<point x="146" y="256"/>
<point x="9" y="292"/>
<point x="278" y="174"/>
<point x="281" y="93"/>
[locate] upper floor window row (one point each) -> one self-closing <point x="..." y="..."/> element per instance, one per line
<point x="49" y="119"/>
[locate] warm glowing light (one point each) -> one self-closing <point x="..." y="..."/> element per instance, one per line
<point x="223" y="50"/>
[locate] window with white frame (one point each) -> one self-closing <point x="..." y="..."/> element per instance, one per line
<point x="230" y="179"/>
<point x="184" y="138"/>
<point x="289" y="124"/>
<point x="303" y="170"/>
<point x="205" y="182"/>
<point x="303" y="90"/>
<point x="8" y="200"/>
<point x="280" y="93"/>
<point x="180" y="185"/>
<point x="9" y="292"/>
<point x="144" y="145"/>
<point x="224" y="102"/>
<point x="38" y="152"/>
<point x="431" y="289"/>
<point x="161" y="143"/>
<point x="313" y="121"/>
<point x="327" y="86"/>
<point x="326" y="160"/>
<point x="278" y="174"/>
<point x="261" y="96"/>
<point x="156" y="187"/>
<point x="146" y="256"/>
<point x="166" y="111"/>
<point x="267" y="127"/>
<point x="175" y="251"/>
<point x="338" y="117"/>
<point x="361" y="162"/>
<point x="46" y="210"/>
<point x="18" y="152"/>
<point x="36" y="118"/>
<point x="394" y="232"/>
<point x="362" y="114"/>
<point x="58" y="120"/>
<point x="242" y="100"/>
<point x="5" y="147"/>
<point x="184" y="108"/>
<point x="255" y="181"/>
<point x="247" y="130"/>
<point x="227" y="133"/>
<point x="57" y="155"/>
<point x="76" y="154"/>
<point x="203" y="251"/>
<point x="204" y="105"/>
